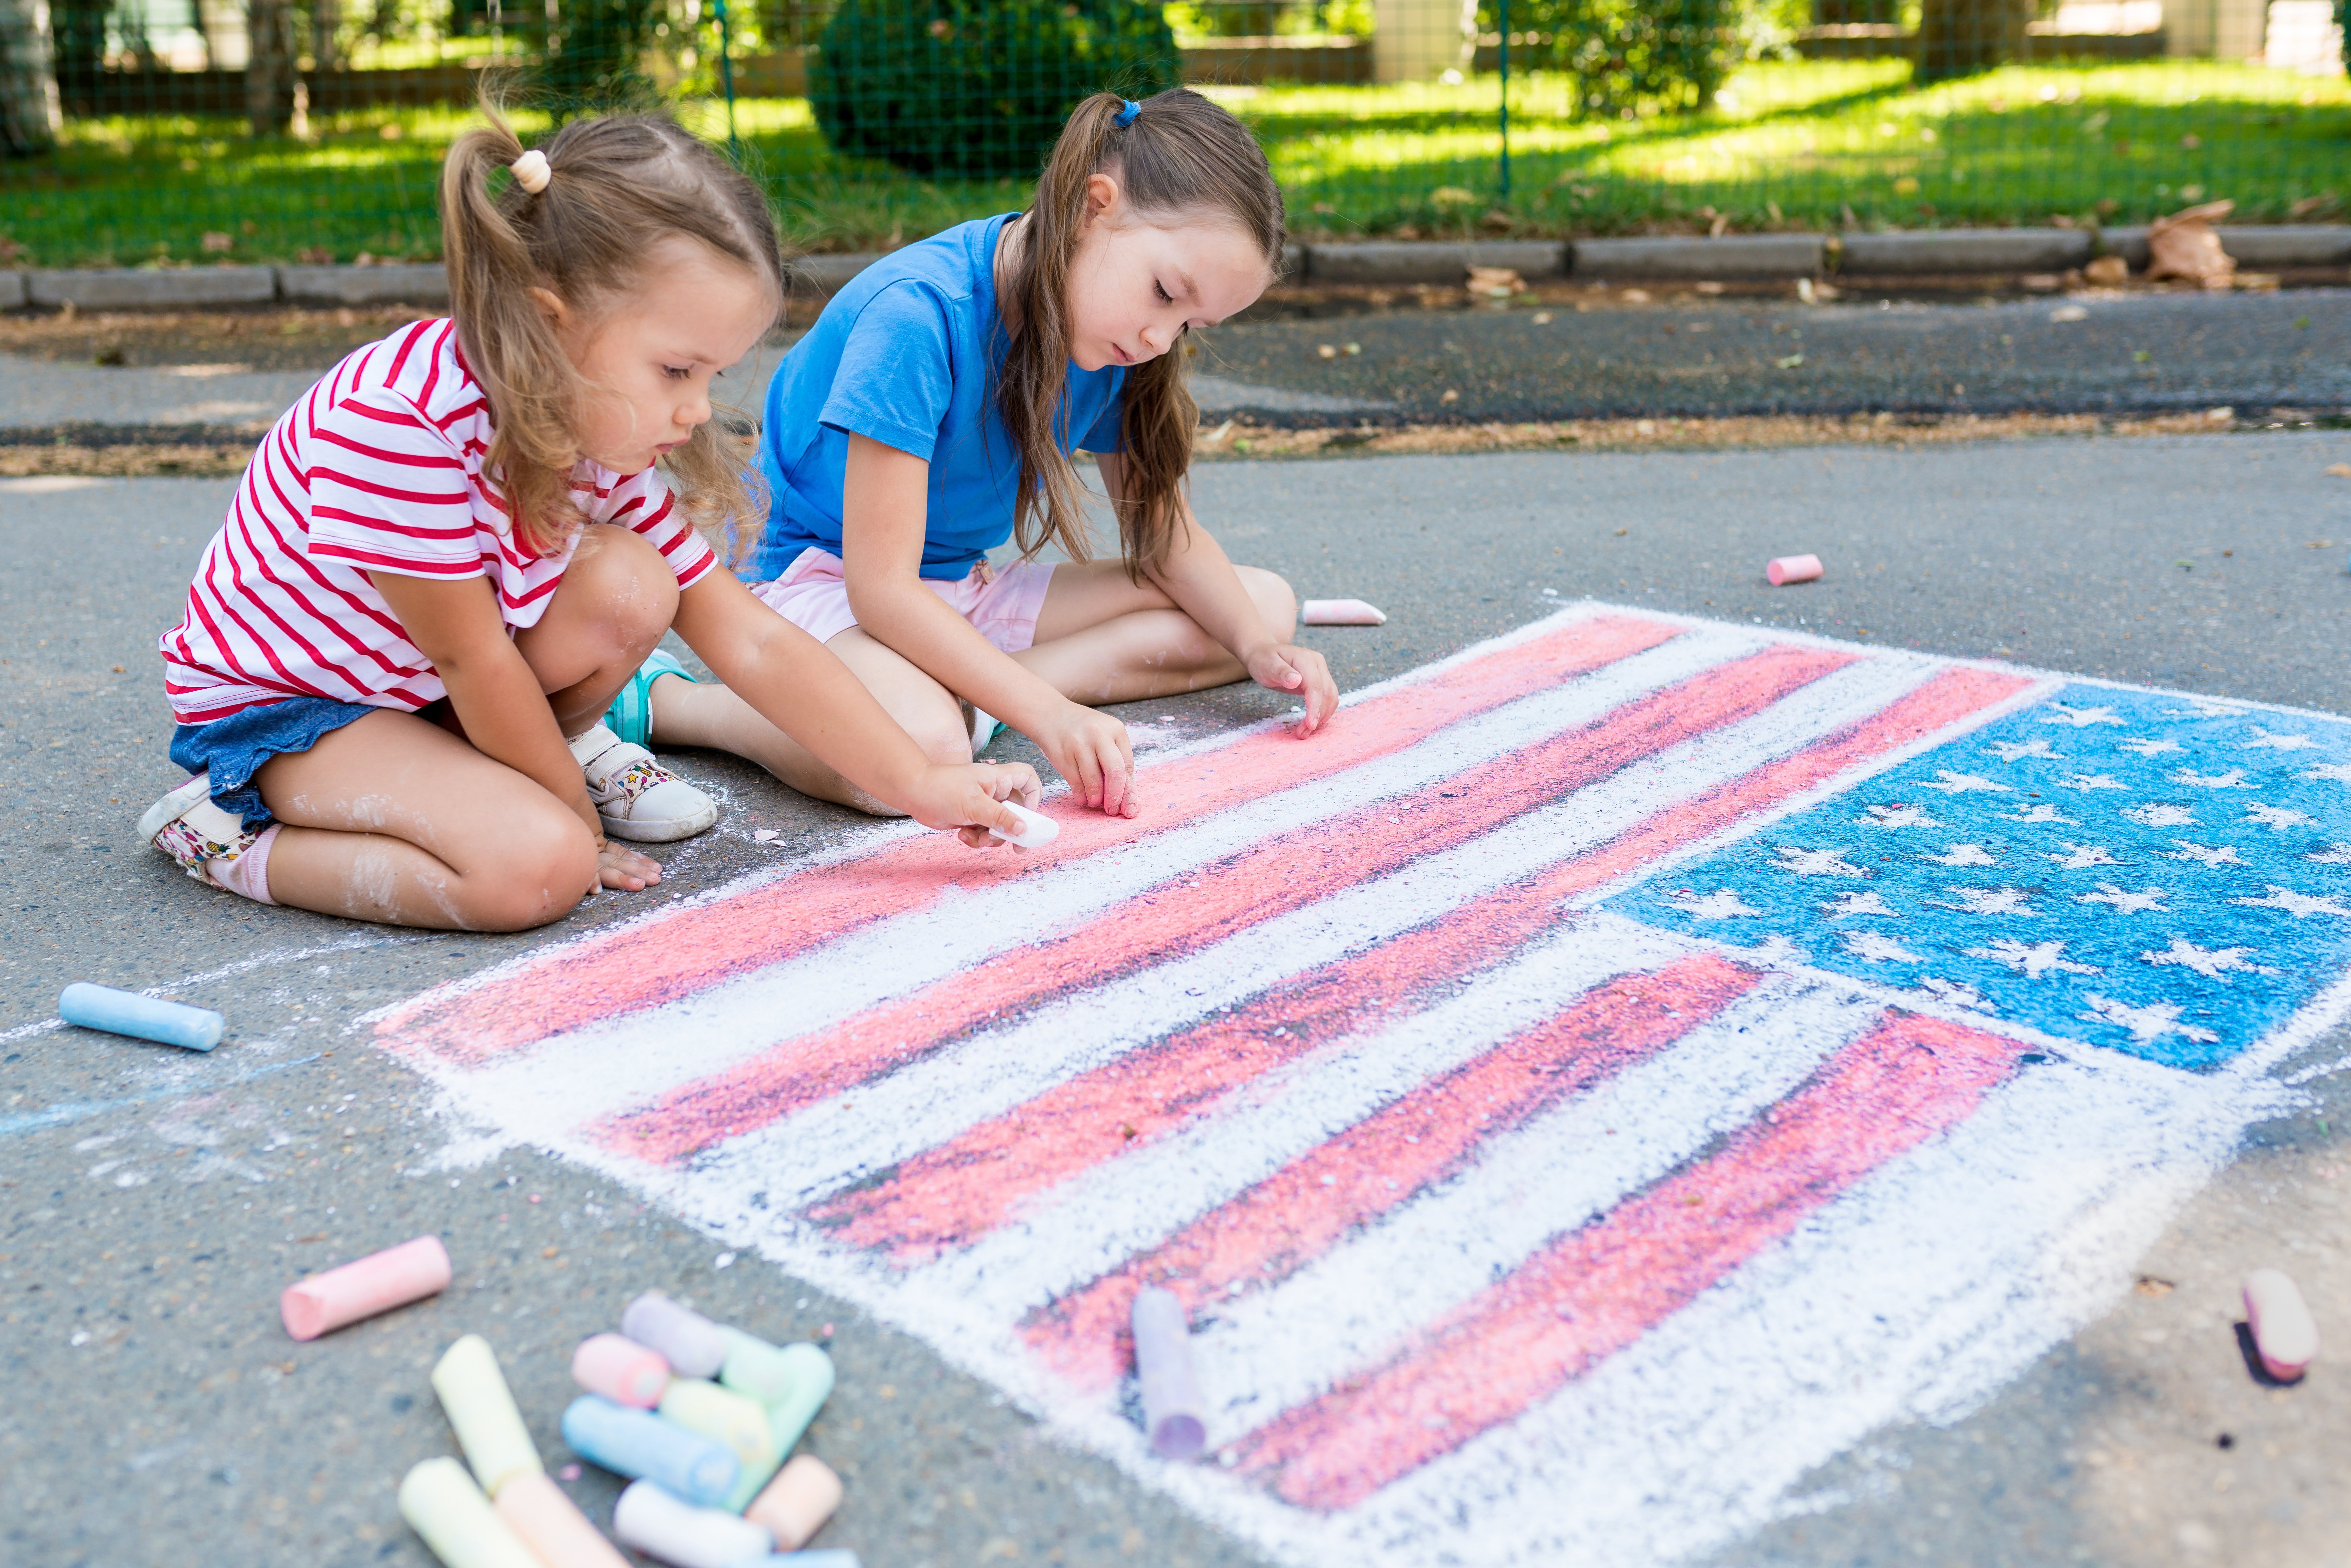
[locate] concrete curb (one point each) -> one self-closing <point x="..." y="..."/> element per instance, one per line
<point x="1730" y="257"/>
<point x="1916" y="253"/>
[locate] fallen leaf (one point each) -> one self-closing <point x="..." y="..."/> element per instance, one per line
<point x="2186" y="245"/>
<point x="2108" y="272"/>
<point x="2069" y="313"/>
<point x="1496" y="282"/>
<point x="2340" y="470"/>
<point x="1791" y="363"/>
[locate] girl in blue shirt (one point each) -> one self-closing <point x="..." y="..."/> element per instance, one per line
<point x="931" y="414"/>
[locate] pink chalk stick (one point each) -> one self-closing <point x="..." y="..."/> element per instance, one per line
<point x="552" y="1526"/>
<point x="621" y="1369"/>
<point x="1342" y="613"/>
<point x="2283" y="1331"/>
<point x="1791" y="569"/>
<point x="378" y="1282"/>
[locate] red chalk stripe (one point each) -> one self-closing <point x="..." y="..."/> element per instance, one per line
<point x="1289" y="873"/>
<point x="662" y="960"/>
<point x="1595" y="1291"/>
<point x="1292" y="1218"/>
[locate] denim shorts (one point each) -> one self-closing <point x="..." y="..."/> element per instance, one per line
<point x="231" y="750"/>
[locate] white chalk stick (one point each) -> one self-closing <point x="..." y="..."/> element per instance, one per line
<point x="1172" y="1407"/>
<point x="548" y="1521"/>
<point x="481" y="1410"/>
<point x="2283" y="1331"/>
<point x="1791" y="569"/>
<point x="1037" y="829"/>
<point x="659" y="1525"/>
<point x="442" y="1504"/>
<point x="688" y="1341"/>
<point x="1342" y="613"/>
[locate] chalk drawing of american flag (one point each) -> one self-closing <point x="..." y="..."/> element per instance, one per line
<point x="1606" y="1074"/>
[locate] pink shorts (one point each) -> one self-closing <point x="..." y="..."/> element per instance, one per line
<point x="1001" y="602"/>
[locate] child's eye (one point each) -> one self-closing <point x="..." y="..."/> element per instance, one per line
<point x="1160" y="289"/>
<point x="677" y="372"/>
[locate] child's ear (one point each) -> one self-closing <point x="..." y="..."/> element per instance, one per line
<point x="1102" y="197"/>
<point x="550" y="305"/>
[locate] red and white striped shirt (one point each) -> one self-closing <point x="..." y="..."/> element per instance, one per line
<point x="378" y="469"/>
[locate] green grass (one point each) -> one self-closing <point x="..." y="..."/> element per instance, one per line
<point x="1792" y="146"/>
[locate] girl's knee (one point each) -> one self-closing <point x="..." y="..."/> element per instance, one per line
<point x="623" y="579"/>
<point x="1276" y="604"/>
<point x="545" y="863"/>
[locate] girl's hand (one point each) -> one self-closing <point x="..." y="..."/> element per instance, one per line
<point x="625" y="869"/>
<point x="966" y="796"/>
<point x="1092" y="751"/>
<point x="1304" y="672"/>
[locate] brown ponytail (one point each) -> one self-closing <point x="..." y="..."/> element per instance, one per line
<point x="618" y="187"/>
<point x="1182" y="157"/>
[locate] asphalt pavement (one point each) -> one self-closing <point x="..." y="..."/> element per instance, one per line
<point x="154" y="1203"/>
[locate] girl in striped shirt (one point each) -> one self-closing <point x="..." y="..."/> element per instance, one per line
<point x="451" y="556"/>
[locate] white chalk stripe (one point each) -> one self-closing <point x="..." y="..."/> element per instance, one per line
<point x="928" y="1102"/>
<point x="1355" y="1306"/>
<point x="1926" y="1286"/>
<point x="1096" y="1221"/>
<point x="633" y="1059"/>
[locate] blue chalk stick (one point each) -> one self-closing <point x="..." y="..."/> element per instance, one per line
<point x="640" y="1444"/>
<point x="146" y="1018"/>
<point x="824" y="1557"/>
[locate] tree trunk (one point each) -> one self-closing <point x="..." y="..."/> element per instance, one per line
<point x="29" y="115"/>
<point x="269" y="68"/>
<point x="1962" y="38"/>
<point x="326" y="18"/>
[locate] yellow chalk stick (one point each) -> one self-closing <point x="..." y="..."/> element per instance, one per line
<point x="735" y="1419"/>
<point x="442" y="1504"/>
<point x="552" y="1526"/>
<point x="489" y="1428"/>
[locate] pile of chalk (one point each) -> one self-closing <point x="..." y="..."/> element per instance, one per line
<point x="699" y="1415"/>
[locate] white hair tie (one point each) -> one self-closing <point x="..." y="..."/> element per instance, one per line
<point x="530" y="170"/>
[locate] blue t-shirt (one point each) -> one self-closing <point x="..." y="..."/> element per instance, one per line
<point x="906" y="355"/>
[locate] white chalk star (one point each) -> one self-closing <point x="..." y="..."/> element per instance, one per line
<point x="2234" y="778"/>
<point x="2205" y="708"/>
<point x="1816" y="862"/>
<point x="2278" y="818"/>
<point x="1956" y="993"/>
<point x="2126" y="902"/>
<point x="1722" y="905"/>
<point x="2080" y="856"/>
<point x="1777" y="949"/>
<point x="2263" y="738"/>
<point x="1856" y="904"/>
<point x="2039" y="814"/>
<point x="1872" y="947"/>
<point x="1895" y="816"/>
<point x="2338" y="771"/>
<point x="2035" y="959"/>
<point x="1992" y="901"/>
<point x="2206" y="854"/>
<point x="1962" y="854"/>
<point x="1951" y="783"/>
<point x="2017" y="750"/>
<point x="2294" y="904"/>
<point x="2160" y="816"/>
<point x="2333" y="855"/>
<point x="2145" y="1024"/>
<point x="2212" y="963"/>
<point x="2092" y="782"/>
<point x="2079" y="717"/>
<point x="2150" y="747"/>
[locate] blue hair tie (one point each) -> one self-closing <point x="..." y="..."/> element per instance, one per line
<point x="1126" y="116"/>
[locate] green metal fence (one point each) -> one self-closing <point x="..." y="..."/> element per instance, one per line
<point x="140" y="131"/>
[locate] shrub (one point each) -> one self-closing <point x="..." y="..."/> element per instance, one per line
<point x="977" y="89"/>
<point x="1645" y="56"/>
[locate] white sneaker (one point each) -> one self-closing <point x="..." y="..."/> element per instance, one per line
<point x="187" y="826"/>
<point x="983" y="730"/>
<point x="635" y="796"/>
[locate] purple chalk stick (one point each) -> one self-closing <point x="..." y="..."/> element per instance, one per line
<point x="1172" y="1409"/>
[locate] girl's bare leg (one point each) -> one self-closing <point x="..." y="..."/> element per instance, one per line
<point x="687" y="714"/>
<point x="1102" y="639"/>
<point x="393" y="818"/>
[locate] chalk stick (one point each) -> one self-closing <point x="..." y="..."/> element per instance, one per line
<point x="796" y="1504"/>
<point x="142" y="1017"/>
<point x="1342" y="613"/>
<point x="547" y="1520"/>
<point x="364" y="1287"/>
<point x="481" y="1409"/>
<point x="1037" y="829"/>
<point x="620" y="1369"/>
<point x="689" y="1342"/>
<point x="810" y="1387"/>
<point x="442" y="1504"/>
<point x="2283" y="1331"/>
<point x="1791" y="569"/>
<point x="1171" y="1408"/>
<point x="659" y="1525"/>
<point x="639" y="1443"/>
<point x="735" y="1419"/>
<point x="828" y="1557"/>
